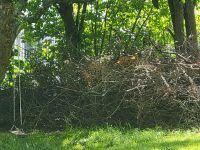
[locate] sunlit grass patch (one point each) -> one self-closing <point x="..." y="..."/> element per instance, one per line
<point x="104" y="138"/>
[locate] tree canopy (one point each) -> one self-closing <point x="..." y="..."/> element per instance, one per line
<point x="93" y="27"/>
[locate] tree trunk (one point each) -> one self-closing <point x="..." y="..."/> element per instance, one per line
<point x="8" y="32"/>
<point x="177" y="16"/>
<point x="96" y="49"/>
<point x="65" y="10"/>
<point x="191" y="31"/>
<point x="80" y="23"/>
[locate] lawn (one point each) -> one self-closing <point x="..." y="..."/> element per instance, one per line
<point x="103" y="138"/>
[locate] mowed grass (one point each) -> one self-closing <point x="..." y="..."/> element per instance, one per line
<point x="103" y="138"/>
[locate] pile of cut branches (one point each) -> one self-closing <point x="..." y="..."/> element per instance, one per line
<point x="140" y="93"/>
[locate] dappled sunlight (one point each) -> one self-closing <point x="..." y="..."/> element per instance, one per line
<point x="117" y="139"/>
<point x="105" y="138"/>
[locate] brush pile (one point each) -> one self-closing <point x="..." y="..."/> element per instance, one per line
<point x="141" y="92"/>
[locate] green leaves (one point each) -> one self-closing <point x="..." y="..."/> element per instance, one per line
<point x="183" y="1"/>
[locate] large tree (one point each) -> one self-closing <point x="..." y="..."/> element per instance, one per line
<point x="183" y="18"/>
<point x="73" y="25"/>
<point x="184" y="11"/>
<point x="191" y="30"/>
<point x="12" y="10"/>
<point x="8" y="33"/>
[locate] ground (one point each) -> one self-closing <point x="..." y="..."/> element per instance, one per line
<point x="108" y="138"/>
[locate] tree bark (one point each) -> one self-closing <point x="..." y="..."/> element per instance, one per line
<point x="96" y="49"/>
<point x="191" y="30"/>
<point x="177" y="16"/>
<point x="81" y="22"/>
<point x="8" y="33"/>
<point x="65" y="10"/>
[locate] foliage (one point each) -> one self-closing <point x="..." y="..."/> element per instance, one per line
<point x="111" y="27"/>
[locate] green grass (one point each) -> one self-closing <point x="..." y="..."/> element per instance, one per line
<point x="103" y="138"/>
